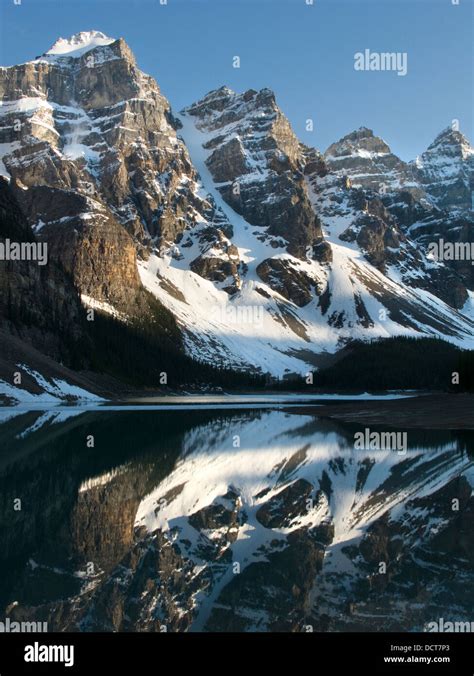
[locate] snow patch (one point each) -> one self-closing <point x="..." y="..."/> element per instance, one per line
<point x="79" y="44"/>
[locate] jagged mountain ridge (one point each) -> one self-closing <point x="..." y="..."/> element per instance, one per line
<point x="222" y="213"/>
<point x="430" y="198"/>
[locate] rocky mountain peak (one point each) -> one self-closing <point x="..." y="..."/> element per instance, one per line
<point x="361" y="142"/>
<point x="366" y="159"/>
<point x="449" y="143"/>
<point x="96" y="149"/>
<point x="223" y="106"/>
<point x="224" y="90"/>
<point x="359" y="135"/>
<point x="363" y="131"/>
<point x="215" y="100"/>
<point x="450" y="137"/>
<point x="446" y="169"/>
<point x="257" y="160"/>
<point x="79" y="43"/>
<point x="246" y="118"/>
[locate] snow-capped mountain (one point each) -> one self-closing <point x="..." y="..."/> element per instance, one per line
<point x="79" y="44"/>
<point x="428" y="200"/>
<point x="266" y="252"/>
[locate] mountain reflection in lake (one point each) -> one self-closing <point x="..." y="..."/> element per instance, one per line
<point x="226" y="520"/>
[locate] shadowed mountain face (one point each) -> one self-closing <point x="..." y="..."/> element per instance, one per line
<point x="246" y="521"/>
<point x="40" y="304"/>
<point x="265" y="252"/>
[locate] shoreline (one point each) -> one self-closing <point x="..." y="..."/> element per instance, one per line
<point x="441" y="411"/>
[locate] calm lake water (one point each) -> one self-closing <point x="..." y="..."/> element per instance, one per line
<point x="229" y="517"/>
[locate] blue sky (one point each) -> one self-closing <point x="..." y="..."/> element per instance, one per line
<point x="305" y="53"/>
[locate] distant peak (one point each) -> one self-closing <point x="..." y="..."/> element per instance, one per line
<point x="79" y="44"/>
<point x="361" y="142"/>
<point x="223" y="91"/>
<point x="361" y="133"/>
<point x="218" y="99"/>
<point x="356" y="136"/>
<point x="450" y="135"/>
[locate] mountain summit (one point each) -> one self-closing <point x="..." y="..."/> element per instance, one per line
<point x="260" y="251"/>
<point x="447" y="170"/>
<point x="79" y="44"/>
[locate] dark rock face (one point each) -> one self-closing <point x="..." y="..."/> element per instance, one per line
<point x="375" y="238"/>
<point x="116" y="505"/>
<point x="322" y="252"/>
<point x="219" y="262"/>
<point x="314" y="162"/>
<point x="94" y="249"/>
<point x="217" y="270"/>
<point x="13" y="223"/>
<point x="38" y="303"/>
<point x="291" y="283"/>
<point x="257" y="162"/>
<point x="228" y="161"/>
<point x="223" y="513"/>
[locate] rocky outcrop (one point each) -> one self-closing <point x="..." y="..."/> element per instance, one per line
<point x="279" y="589"/>
<point x="290" y="282"/>
<point x="219" y="262"/>
<point x="221" y="519"/>
<point x="376" y="238"/>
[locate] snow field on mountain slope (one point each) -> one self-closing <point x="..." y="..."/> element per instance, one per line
<point x="347" y="257"/>
<point x="208" y="311"/>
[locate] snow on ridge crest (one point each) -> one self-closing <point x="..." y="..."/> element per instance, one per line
<point x="79" y="44"/>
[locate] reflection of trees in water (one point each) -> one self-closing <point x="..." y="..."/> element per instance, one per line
<point x="465" y="442"/>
